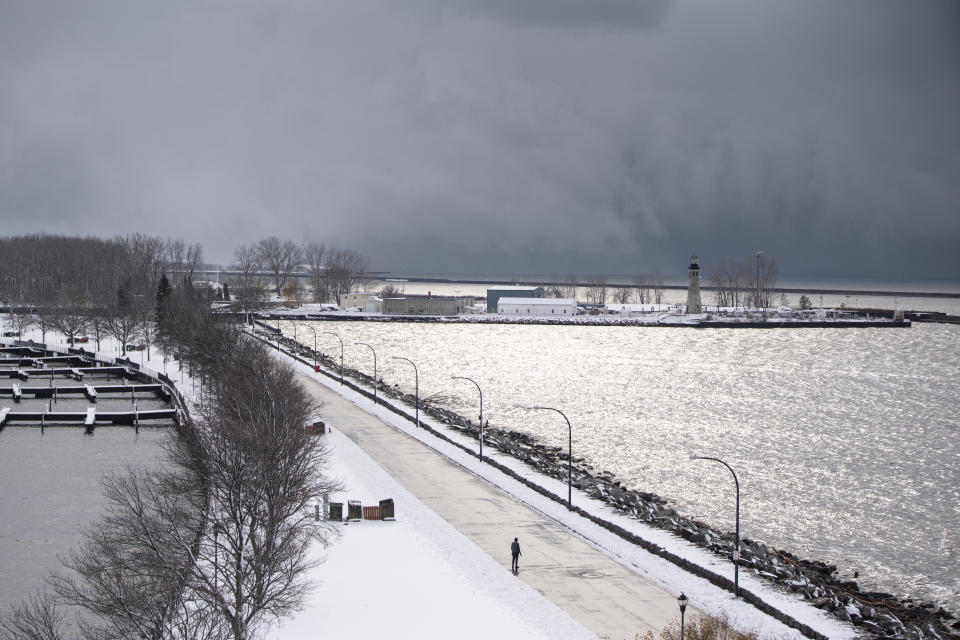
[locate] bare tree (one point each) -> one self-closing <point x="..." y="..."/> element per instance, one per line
<point x="132" y="572"/>
<point x="71" y="319"/>
<point x="314" y="255"/>
<point x="294" y="293"/>
<point x="97" y="322"/>
<point x="345" y="270"/>
<point x="21" y="319"/>
<point x="192" y="260"/>
<point x="263" y="472"/>
<point x="36" y="618"/>
<point x="642" y="284"/>
<point x="390" y="291"/>
<point x="280" y="257"/>
<point x="727" y="282"/>
<point x="622" y="295"/>
<point x="147" y="328"/>
<point x="597" y="289"/>
<point x="122" y="321"/>
<point x="248" y="291"/>
<point x="657" y="288"/>
<point x="43" y="315"/>
<point x="766" y="281"/>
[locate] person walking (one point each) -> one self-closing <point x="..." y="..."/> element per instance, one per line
<point x="515" y="552"/>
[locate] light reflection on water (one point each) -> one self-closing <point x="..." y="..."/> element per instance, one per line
<point x="845" y="440"/>
<point x="51" y="489"/>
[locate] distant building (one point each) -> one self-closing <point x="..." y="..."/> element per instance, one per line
<point x="495" y="293"/>
<point x="366" y="302"/>
<point x="537" y="306"/>
<point x="693" y="289"/>
<point x="427" y="305"/>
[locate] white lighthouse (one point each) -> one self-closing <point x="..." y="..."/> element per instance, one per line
<point x="693" y="289"/>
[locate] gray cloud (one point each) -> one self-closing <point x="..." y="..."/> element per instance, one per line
<point x="571" y="13"/>
<point x="494" y="136"/>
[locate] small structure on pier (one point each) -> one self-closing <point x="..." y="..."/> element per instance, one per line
<point x="693" y="289"/>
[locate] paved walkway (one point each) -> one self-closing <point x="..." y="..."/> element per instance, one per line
<point x="599" y="593"/>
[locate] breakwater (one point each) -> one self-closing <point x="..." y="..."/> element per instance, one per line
<point x="653" y="320"/>
<point x="878" y="614"/>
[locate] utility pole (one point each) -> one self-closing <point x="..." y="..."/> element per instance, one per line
<point x="757" y="256"/>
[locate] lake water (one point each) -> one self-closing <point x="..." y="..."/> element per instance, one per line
<point x="845" y="440"/>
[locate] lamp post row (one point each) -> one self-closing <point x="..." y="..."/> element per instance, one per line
<point x="682" y="599"/>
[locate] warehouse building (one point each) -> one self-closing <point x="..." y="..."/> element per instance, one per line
<point x="537" y="307"/>
<point x="495" y="293"/>
<point x="427" y="305"/>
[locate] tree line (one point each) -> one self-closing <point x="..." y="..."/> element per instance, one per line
<point x="331" y="271"/>
<point x="111" y="287"/>
<point x="750" y="282"/>
<point x="215" y="543"/>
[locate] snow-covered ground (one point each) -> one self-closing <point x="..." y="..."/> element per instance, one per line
<point x="416" y="577"/>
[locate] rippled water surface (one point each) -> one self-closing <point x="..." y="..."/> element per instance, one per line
<point x="51" y="488"/>
<point x="845" y="440"/>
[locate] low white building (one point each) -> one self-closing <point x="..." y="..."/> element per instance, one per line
<point x="537" y="306"/>
<point x="364" y="301"/>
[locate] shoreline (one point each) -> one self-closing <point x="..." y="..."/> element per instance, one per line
<point x="881" y="614"/>
<point x="590" y="321"/>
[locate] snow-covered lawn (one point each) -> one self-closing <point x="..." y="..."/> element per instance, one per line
<point x="416" y="578"/>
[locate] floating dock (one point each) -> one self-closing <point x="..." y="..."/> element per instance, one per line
<point x="88" y="418"/>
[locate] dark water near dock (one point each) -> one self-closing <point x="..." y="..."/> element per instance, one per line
<point x="52" y="489"/>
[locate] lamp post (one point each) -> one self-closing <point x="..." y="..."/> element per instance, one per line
<point x="416" y="378"/>
<point x="314" y="331"/>
<point x="682" y="600"/>
<point x="736" y="547"/>
<point x="481" y="408"/>
<point x="330" y="333"/>
<point x="569" y="455"/>
<point x="757" y="256"/>
<point x="374" y="369"/>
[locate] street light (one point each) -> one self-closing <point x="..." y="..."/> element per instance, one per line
<point x="416" y="378"/>
<point x="569" y="455"/>
<point x="736" y="547"/>
<point x="374" y="369"/>
<point x="313" y="330"/>
<point x="757" y="256"/>
<point x="682" y="600"/>
<point x="330" y="333"/>
<point x="481" y="409"/>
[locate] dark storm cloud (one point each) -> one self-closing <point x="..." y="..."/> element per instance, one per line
<point x="494" y="136"/>
<point x="571" y="13"/>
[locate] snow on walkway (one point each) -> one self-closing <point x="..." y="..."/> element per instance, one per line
<point x="417" y="577"/>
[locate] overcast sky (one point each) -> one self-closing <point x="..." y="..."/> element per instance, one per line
<point x="495" y="136"/>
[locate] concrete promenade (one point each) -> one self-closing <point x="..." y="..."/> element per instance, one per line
<point x="593" y="589"/>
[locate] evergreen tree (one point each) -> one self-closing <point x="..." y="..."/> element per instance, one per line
<point x="123" y="296"/>
<point x="163" y="293"/>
